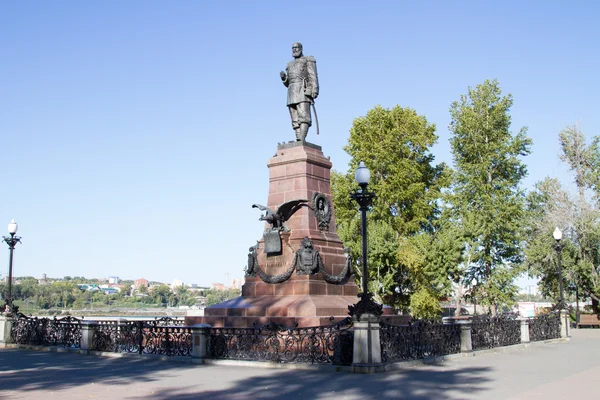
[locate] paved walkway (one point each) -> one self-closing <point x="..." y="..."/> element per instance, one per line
<point x="543" y="371"/>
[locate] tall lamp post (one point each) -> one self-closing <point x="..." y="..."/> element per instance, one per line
<point x="364" y="199"/>
<point x="12" y="241"/>
<point x="473" y="289"/>
<point x="558" y="247"/>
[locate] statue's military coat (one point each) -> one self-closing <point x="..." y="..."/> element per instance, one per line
<point x="301" y="80"/>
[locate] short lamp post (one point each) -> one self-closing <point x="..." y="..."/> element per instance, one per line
<point x="558" y="247"/>
<point x="12" y="241"/>
<point x="364" y="199"/>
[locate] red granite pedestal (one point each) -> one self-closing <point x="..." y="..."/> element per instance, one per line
<point x="297" y="171"/>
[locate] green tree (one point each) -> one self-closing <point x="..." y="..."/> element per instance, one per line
<point x="433" y="261"/>
<point x="578" y="216"/>
<point x="549" y="206"/>
<point x="486" y="200"/>
<point x="125" y="290"/>
<point x="395" y="145"/>
<point x="160" y="294"/>
<point x="214" y="296"/>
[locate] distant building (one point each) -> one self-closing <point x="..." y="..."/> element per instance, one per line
<point x="44" y="280"/>
<point x="176" y="283"/>
<point x="113" y="279"/>
<point x="109" y="290"/>
<point x="217" y="286"/>
<point x="530" y="290"/>
<point x="237" y="283"/>
<point x="89" y="287"/>
<point x="139" y="283"/>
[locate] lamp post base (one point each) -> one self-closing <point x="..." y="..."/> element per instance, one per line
<point x="564" y="323"/>
<point x="6" y="323"/>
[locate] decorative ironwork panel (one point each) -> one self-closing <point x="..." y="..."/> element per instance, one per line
<point x="418" y="340"/>
<point x="63" y="332"/>
<point x="106" y="336"/>
<point x="330" y="344"/>
<point x="544" y="327"/>
<point x="489" y="332"/>
<point x="143" y="337"/>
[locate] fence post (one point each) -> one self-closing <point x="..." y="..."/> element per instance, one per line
<point x="87" y="335"/>
<point x="524" y="330"/>
<point x="200" y="335"/>
<point x="466" y="344"/>
<point x="6" y="323"/>
<point x="366" y="356"/>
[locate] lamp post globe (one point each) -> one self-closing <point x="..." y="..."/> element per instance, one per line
<point x="362" y="175"/>
<point x="13" y="227"/>
<point x="557" y="234"/>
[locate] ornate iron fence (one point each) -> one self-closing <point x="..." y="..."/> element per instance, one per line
<point x="158" y="336"/>
<point x="330" y="344"/>
<point x="63" y="332"/>
<point x="416" y="341"/>
<point x="544" y="327"/>
<point x="489" y="332"/>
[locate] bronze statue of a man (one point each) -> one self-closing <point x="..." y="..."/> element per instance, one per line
<point x="300" y="77"/>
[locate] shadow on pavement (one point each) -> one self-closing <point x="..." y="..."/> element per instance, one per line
<point x="433" y="383"/>
<point x="30" y="371"/>
<point x="26" y="370"/>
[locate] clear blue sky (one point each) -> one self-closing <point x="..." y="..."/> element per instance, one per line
<point x="135" y="134"/>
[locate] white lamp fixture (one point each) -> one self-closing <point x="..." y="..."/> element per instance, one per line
<point x="557" y="234"/>
<point x="12" y="227"/>
<point x="362" y="175"/>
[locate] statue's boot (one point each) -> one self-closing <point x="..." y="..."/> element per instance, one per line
<point x="298" y="138"/>
<point x="303" y="132"/>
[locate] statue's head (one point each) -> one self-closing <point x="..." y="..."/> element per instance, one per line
<point x="297" y="50"/>
<point x="307" y="244"/>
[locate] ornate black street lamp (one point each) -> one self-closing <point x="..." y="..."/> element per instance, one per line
<point x="12" y="242"/>
<point x="558" y="247"/>
<point x="473" y="289"/>
<point x="364" y="198"/>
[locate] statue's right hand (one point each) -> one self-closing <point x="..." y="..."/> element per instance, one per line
<point x="282" y="75"/>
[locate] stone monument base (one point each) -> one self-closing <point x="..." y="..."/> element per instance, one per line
<point x="289" y="311"/>
<point x="303" y="301"/>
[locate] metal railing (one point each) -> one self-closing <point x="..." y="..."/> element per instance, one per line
<point x="158" y="336"/>
<point x="416" y="341"/>
<point x="489" y="332"/>
<point x="60" y="332"/>
<point x="330" y="344"/>
<point x="544" y="327"/>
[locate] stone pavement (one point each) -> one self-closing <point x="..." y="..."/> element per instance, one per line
<point x="541" y="371"/>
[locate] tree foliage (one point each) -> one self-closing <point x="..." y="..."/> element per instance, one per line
<point x="550" y="205"/>
<point x="486" y="200"/>
<point x="65" y="294"/>
<point x="395" y="145"/>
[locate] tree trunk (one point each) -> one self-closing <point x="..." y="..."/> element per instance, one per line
<point x="595" y="306"/>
